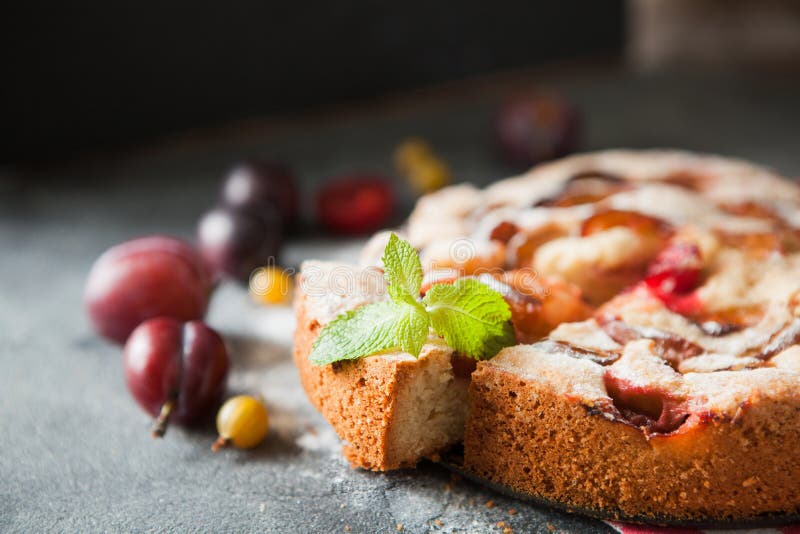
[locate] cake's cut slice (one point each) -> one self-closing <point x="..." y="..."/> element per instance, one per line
<point x="390" y="410"/>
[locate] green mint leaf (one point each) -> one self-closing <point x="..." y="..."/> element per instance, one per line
<point x="402" y="269"/>
<point x="357" y="333"/>
<point x="471" y="317"/>
<point x="412" y="328"/>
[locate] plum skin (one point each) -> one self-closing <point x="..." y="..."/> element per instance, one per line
<point x="234" y="242"/>
<point x="535" y="128"/>
<point x="143" y="278"/>
<point x="167" y="360"/>
<point x="262" y="185"/>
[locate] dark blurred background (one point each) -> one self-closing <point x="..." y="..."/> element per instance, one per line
<point x="81" y="78"/>
<point x="92" y="75"/>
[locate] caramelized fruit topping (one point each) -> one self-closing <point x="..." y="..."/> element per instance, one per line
<point x="585" y="188"/>
<point x="601" y="357"/>
<point x="722" y="322"/>
<point x="651" y="409"/>
<point x="672" y="277"/>
<point x="612" y="179"/>
<point x="693" y="181"/>
<point x="526" y="317"/>
<point x="750" y="209"/>
<point x="676" y="269"/>
<point x="503" y="232"/>
<point x="521" y="248"/>
<point x="760" y="245"/>
<point x="538" y="306"/>
<point x="783" y="239"/>
<point x="781" y="340"/>
<point x="643" y="225"/>
<point x="671" y="348"/>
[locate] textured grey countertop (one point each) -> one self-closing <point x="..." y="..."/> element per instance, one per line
<point x="76" y="453"/>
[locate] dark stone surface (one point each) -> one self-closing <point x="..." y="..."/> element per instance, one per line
<point x="76" y="454"/>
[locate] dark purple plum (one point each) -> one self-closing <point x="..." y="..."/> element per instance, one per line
<point x="234" y="242"/>
<point x="176" y="371"/>
<point x="147" y="277"/>
<point x="536" y="128"/>
<point x="262" y="185"/>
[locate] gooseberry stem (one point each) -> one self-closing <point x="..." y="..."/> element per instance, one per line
<point x="160" y="424"/>
<point x="221" y="443"/>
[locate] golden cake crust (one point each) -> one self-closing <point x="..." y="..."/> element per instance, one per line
<point x="526" y="436"/>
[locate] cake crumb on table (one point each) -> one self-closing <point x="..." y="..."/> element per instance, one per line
<point x="347" y="528"/>
<point x="550" y="527"/>
<point x="501" y="524"/>
<point x="399" y="527"/>
<point x="489" y="504"/>
<point x="512" y="511"/>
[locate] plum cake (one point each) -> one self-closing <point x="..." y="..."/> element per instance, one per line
<point x="655" y="301"/>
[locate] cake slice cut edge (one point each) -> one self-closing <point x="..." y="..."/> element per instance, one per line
<point x="390" y="410"/>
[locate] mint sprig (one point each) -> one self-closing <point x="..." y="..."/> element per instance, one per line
<point x="460" y="310"/>
<point x="471" y="317"/>
<point x="402" y="269"/>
